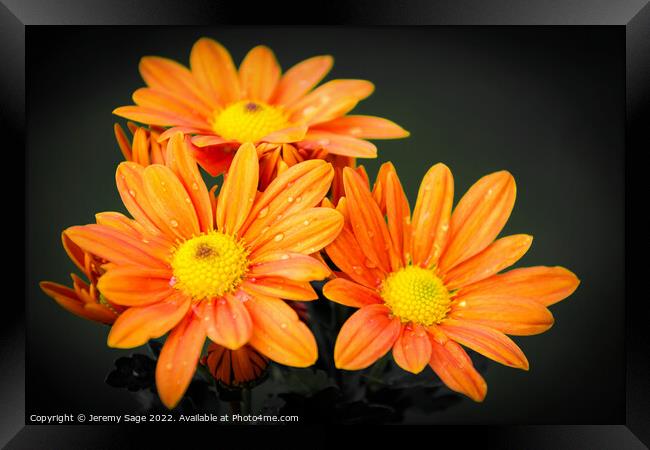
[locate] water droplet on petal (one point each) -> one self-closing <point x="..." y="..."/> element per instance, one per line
<point x="298" y="199"/>
<point x="283" y="325"/>
<point x="195" y="186"/>
<point x="370" y="264"/>
<point x="169" y="366"/>
<point x="306" y="222"/>
<point x="132" y="192"/>
<point x="278" y="237"/>
<point x="263" y="212"/>
<point x="290" y="199"/>
<point x="173" y="223"/>
<point x="172" y="281"/>
<point x="285" y="256"/>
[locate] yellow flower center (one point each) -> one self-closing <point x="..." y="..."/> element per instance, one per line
<point x="209" y="265"/>
<point x="416" y="295"/>
<point x="248" y="121"/>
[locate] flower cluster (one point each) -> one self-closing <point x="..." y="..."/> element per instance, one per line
<point x="233" y="265"/>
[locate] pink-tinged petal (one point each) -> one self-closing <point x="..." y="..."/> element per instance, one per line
<point x="488" y="342"/>
<point x="478" y="218"/>
<point x="135" y="286"/>
<point x="238" y="190"/>
<point x="364" y="127"/>
<point x="412" y="350"/>
<point x="135" y="326"/>
<point x="259" y="74"/>
<point x="227" y="321"/>
<point x="178" y="359"/>
<point x="497" y="256"/>
<point x="454" y="367"/>
<point x="365" y="337"/>
<point x="279" y="334"/>
<point x="349" y="293"/>
<point x="546" y="285"/>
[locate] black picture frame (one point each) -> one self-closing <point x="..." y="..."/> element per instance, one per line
<point x="17" y="16"/>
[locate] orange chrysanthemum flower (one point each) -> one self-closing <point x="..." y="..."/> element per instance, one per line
<point x="196" y="270"/>
<point x="427" y="284"/>
<point x="224" y="107"/>
<point x="83" y="299"/>
<point x="235" y="368"/>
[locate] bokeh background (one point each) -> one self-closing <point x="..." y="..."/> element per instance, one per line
<point x="546" y="103"/>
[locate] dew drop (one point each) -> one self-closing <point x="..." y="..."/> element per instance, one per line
<point x="173" y="223"/>
<point x="195" y="186"/>
<point x="357" y="269"/>
<point x="298" y="199"/>
<point x="283" y="325"/>
<point x="132" y="192"/>
<point x="187" y="200"/>
<point x="169" y="366"/>
<point x="172" y="281"/>
<point x="290" y="199"/>
<point x="263" y="212"/>
<point x="278" y="237"/>
<point x="145" y="241"/>
<point x="306" y="222"/>
<point x="285" y="256"/>
<point x="370" y="264"/>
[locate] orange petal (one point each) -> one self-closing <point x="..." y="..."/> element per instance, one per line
<point x="173" y="104"/>
<point x="75" y="253"/>
<point x="364" y="127"/>
<point x="479" y="217"/>
<point x="451" y="363"/>
<point x="280" y="287"/>
<point x="497" y="256"/>
<point x="185" y="168"/>
<point x="178" y="359"/>
<point x="330" y="100"/>
<point x="116" y="246"/>
<point x="292" y="134"/>
<point x="305" y="232"/>
<point x="508" y="314"/>
<point x="368" y="223"/>
<point x="412" y="350"/>
<point x="122" y="141"/>
<point x="300" y="187"/>
<point x="157" y="245"/>
<point x="69" y="300"/>
<point x="338" y="144"/>
<point x="349" y="293"/>
<point x="214" y="159"/>
<point x="294" y="266"/>
<point x="214" y="70"/>
<point x="488" y="342"/>
<point x="136" y="326"/>
<point x="365" y="337"/>
<point x="134" y="286"/>
<point x="546" y="285"/>
<point x="431" y="215"/>
<point x="152" y="116"/>
<point x="259" y="74"/>
<point x="279" y="334"/>
<point x="398" y="213"/>
<point x="227" y="321"/>
<point x="348" y="255"/>
<point x="130" y="185"/>
<point x="238" y="190"/>
<point x="301" y="78"/>
<point x="169" y="76"/>
<point x="170" y="201"/>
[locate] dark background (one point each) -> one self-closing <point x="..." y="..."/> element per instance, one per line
<point x="545" y="103"/>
